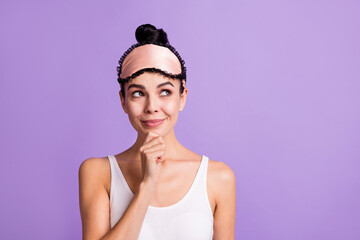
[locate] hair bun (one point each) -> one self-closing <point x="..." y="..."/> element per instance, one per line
<point x="149" y="34"/>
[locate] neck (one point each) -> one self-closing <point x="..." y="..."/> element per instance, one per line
<point x="172" y="146"/>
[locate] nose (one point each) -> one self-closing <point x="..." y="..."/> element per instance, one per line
<point x="151" y="105"/>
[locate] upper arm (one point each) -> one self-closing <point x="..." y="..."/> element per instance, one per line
<point x="93" y="198"/>
<point x="225" y="212"/>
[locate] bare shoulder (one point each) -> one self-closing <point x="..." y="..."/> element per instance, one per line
<point x="95" y="170"/>
<point x="94" y="181"/>
<point x="94" y="166"/>
<point x="221" y="177"/>
<point x="220" y="171"/>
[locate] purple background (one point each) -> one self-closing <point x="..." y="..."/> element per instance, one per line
<point x="273" y="92"/>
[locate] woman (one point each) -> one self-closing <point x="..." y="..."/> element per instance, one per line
<point x="156" y="189"/>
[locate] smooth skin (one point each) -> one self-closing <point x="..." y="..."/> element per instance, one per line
<point x="152" y="167"/>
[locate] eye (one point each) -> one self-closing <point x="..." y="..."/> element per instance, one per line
<point x="137" y="94"/>
<point x="165" y="92"/>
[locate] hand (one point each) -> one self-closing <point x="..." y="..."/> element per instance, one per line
<point x="152" y="152"/>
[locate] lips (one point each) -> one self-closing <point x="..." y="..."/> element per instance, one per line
<point x="153" y="122"/>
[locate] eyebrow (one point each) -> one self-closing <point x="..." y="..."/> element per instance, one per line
<point x="142" y="87"/>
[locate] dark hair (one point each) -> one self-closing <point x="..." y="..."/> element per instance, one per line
<point x="149" y="34"/>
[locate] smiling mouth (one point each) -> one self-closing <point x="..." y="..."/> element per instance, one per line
<point x="153" y="122"/>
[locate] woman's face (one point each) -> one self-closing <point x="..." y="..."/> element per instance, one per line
<point x="152" y="102"/>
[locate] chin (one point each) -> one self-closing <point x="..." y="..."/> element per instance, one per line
<point x="158" y="131"/>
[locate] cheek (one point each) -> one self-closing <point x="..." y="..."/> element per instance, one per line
<point x="171" y="107"/>
<point x="134" y="108"/>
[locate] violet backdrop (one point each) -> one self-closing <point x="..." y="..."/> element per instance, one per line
<point x="273" y="92"/>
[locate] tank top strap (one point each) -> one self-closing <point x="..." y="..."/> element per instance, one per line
<point x="203" y="168"/>
<point x="117" y="176"/>
<point x="200" y="177"/>
<point x="113" y="162"/>
<point x="201" y="171"/>
<point x="205" y="162"/>
<point x="204" y="185"/>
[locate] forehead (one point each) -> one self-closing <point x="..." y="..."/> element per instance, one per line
<point x="148" y="79"/>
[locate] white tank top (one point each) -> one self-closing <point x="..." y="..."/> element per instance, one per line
<point x="189" y="219"/>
